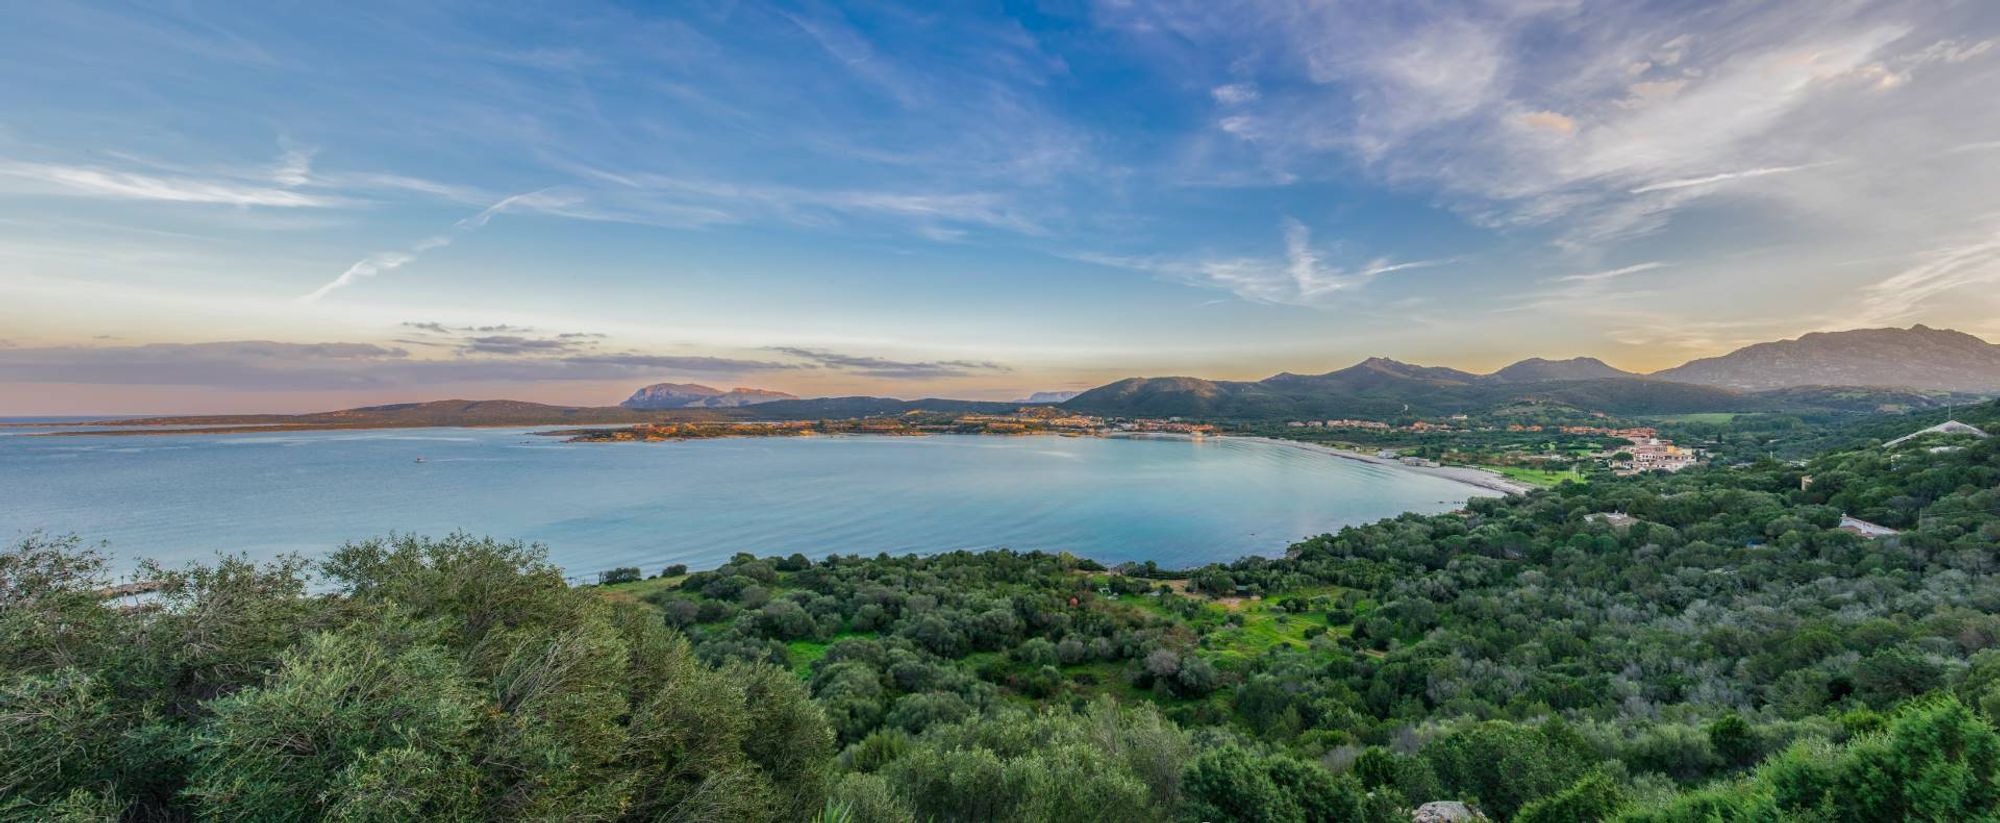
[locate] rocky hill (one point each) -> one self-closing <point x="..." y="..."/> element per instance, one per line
<point x="1918" y="357"/>
<point x="697" y="396"/>
<point x="1537" y="370"/>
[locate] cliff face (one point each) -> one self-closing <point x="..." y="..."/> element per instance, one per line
<point x="696" y="396"/>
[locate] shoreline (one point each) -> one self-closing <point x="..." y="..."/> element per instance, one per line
<point x="1477" y="478"/>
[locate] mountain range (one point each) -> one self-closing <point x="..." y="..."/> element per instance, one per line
<point x="1858" y="370"/>
<point x="1852" y="370"/>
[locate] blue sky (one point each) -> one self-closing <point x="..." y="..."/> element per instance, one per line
<point x="214" y="206"/>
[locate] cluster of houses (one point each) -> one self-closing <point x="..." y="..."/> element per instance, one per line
<point x="1632" y="433"/>
<point x="1173" y="425"/>
<point x="1650" y="454"/>
<point x="1043" y="418"/>
<point x="1419" y="426"/>
<point x="1042" y="415"/>
<point x="1338" y="424"/>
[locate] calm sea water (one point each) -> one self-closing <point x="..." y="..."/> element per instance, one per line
<point x="604" y="505"/>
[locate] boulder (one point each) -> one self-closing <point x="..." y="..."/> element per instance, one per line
<point x="1445" y="811"/>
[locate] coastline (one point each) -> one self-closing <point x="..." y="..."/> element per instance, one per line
<point x="1477" y="478"/>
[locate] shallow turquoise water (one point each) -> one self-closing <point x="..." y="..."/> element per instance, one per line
<point x="603" y="505"/>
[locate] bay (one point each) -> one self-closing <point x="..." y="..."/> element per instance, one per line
<point x="603" y="505"/>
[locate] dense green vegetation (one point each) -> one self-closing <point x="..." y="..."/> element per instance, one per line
<point x="1729" y="654"/>
<point x="1543" y="457"/>
<point x="453" y="680"/>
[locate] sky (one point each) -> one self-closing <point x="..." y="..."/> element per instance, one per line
<point x="243" y="207"/>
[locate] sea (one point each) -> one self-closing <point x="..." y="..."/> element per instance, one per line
<point x="178" y="498"/>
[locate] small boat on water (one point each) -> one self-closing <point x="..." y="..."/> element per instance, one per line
<point x="420" y="460"/>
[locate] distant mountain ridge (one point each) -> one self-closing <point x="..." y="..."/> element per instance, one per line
<point x="697" y="396"/>
<point x="1918" y="357"/>
<point x="1835" y="370"/>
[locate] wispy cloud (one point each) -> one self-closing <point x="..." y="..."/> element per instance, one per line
<point x="441" y="328"/>
<point x="1599" y="127"/>
<point x="857" y="55"/>
<point x="1301" y="277"/>
<point x="1724" y="177"/>
<point x="1612" y="274"/>
<point x="1234" y="93"/>
<point x="294" y="166"/>
<point x="289" y="182"/>
<point x="376" y="264"/>
<point x="500" y="339"/>
<point x="892" y="369"/>
<point x="641" y="196"/>
<point x="119" y="185"/>
<point x="1936" y="273"/>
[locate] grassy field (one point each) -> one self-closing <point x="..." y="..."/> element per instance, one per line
<point x="804" y="653"/>
<point x="638" y="589"/>
<point x="1537" y="477"/>
<point x="1255" y="627"/>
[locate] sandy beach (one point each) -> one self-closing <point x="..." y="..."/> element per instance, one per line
<point x="1481" y="478"/>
